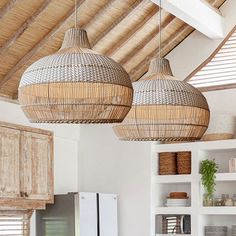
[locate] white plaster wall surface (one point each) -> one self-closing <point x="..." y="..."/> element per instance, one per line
<point x="102" y="163"/>
<point x="112" y="166"/>
<point x="222" y="101"/>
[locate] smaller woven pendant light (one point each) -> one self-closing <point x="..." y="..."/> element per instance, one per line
<point x="164" y="108"/>
<point x="75" y="85"/>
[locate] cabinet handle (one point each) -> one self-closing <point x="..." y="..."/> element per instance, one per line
<point x="24" y="194"/>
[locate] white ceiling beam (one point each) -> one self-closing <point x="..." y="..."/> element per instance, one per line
<point x="197" y="14"/>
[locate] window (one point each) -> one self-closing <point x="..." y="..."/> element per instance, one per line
<point x="219" y="70"/>
<point x="15" y="223"/>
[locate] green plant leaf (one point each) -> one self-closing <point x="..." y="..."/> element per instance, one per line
<point x="208" y="169"/>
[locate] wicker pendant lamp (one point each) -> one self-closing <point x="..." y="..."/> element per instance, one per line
<point x="164" y="108"/>
<point x="75" y="85"/>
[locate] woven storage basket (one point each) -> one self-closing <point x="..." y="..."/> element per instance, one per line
<point x="184" y="162"/>
<point x="167" y="163"/>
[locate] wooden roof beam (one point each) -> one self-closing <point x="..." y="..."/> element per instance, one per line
<point x="147" y="40"/>
<point x="40" y="44"/>
<point x="198" y="15"/>
<point x="139" y="70"/>
<point x="23" y="27"/>
<point x="103" y="34"/>
<point x="129" y="12"/>
<point x="7" y="7"/>
<point x="151" y="41"/>
<point x="132" y="32"/>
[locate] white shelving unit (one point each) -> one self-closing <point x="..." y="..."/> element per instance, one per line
<point x="201" y="216"/>
<point x="173" y="210"/>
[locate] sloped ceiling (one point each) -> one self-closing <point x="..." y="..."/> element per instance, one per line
<point x="124" y="30"/>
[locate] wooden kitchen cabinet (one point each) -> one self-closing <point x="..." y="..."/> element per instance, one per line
<point x="26" y="167"/>
<point x="36" y="166"/>
<point x="9" y="162"/>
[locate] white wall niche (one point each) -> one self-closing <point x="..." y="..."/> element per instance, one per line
<point x="221" y="157"/>
<point x="162" y="191"/>
<point x="216" y="220"/>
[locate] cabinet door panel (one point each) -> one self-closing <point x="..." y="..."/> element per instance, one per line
<point x="37" y="164"/>
<point x="9" y="163"/>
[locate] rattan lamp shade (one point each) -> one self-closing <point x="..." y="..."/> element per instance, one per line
<point x="164" y="108"/>
<point x="75" y="85"/>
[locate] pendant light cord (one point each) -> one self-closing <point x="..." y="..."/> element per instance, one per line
<point x="160" y="18"/>
<point x="76" y="19"/>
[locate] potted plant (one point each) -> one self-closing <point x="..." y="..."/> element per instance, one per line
<point x="208" y="169"/>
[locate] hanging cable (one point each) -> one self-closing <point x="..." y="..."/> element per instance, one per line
<point x="160" y="18"/>
<point x="76" y="14"/>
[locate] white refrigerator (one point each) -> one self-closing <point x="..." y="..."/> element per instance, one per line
<point x="79" y="214"/>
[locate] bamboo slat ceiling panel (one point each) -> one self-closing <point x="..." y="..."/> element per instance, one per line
<point x="124" y="30"/>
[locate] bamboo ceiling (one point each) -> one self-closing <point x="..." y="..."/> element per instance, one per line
<point x="125" y="30"/>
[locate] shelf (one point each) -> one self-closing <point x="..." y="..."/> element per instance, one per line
<point x="160" y="179"/>
<point x="220" y="177"/>
<point x="218" y="210"/>
<point x="174" y="210"/>
<point x="217" y="145"/>
<point x="226" y="177"/>
<point x="175" y="147"/>
<point x="173" y="234"/>
<point x="201" y="145"/>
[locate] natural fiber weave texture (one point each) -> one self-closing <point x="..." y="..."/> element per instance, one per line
<point x="164" y="108"/>
<point x="75" y="85"/>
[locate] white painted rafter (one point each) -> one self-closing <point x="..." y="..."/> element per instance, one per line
<point x="197" y="14"/>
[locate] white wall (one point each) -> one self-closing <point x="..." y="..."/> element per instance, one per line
<point x="222" y="101"/>
<point x="112" y="166"/>
<point x="99" y="162"/>
<point x="109" y="165"/>
<point x="102" y="163"/>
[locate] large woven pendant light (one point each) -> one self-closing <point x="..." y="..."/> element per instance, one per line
<point x="164" y="108"/>
<point x="75" y="85"/>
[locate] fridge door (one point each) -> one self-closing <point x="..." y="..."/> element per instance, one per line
<point x="87" y="220"/>
<point x="108" y="222"/>
<point x="57" y="219"/>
